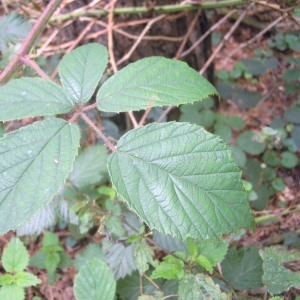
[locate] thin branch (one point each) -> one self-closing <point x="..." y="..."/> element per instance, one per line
<point x="144" y="117"/>
<point x="98" y="131"/>
<point x="35" y="31"/>
<point x="255" y="38"/>
<point x="207" y="33"/>
<point x="225" y="39"/>
<point x="33" y="65"/>
<point x="160" y="9"/>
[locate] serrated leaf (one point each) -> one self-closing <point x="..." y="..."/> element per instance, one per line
<point x="25" y="279"/>
<point x="180" y="180"/>
<point x="170" y="268"/>
<point x="95" y="281"/>
<point x="35" y="161"/>
<point x="15" y="256"/>
<point x="121" y="260"/>
<point x="90" y="167"/>
<point x="276" y="276"/>
<point x="143" y="256"/>
<point x="80" y="71"/>
<point x="214" y="251"/>
<point x="51" y="262"/>
<point x="13" y="28"/>
<point x="12" y="292"/>
<point x="243" y="269"/>
<point x="7" y="279"/>
<point x="151" y="82"/>
<point x="91" y="251"/>
<point x="199" y="287"/>
<point x="31" y="97"/>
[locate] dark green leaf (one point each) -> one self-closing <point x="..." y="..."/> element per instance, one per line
<point x="239" y="156"/>
<point x="95" y="281"/>
<point x="247" y="142"/>
<point x="289" y="160"/>
<point x="91" y="251"/>
<point x="243" y="269"/>
<point x="31" y="97"/>
<point x="81" y="70"/>
<point x="36" y="160"/>
<point x="292" y="114"/>
<point x="180" y="180"/>
<point x="150" y="82"/>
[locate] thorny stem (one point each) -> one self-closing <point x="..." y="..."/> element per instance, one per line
<point x="35" y="31"/>
<point x="162" y="9"/>
<point x="106" y="140"/>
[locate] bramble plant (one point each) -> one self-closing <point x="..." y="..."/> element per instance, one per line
<point x="178" y="178"/>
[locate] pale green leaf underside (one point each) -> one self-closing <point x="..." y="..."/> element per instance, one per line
<point x="95" y="281"/>
<point x="150" y="82"/>
<point x="31" y="97"/>
<point x="35" y="161"/>
<point x="80" y="71"/>
<point x="180" y="180"/>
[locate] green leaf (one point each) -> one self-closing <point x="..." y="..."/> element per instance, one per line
<point x="199" y="287"/>
<point x="276" y="276"/>
<point x="51" y="262"/>
<point x="213" y="250"/>
<point x="180" y="180"/>
<point x="7" y="279"/>
<point x="36" y="160"/>
<point x="81" y="70"/>
<point x="143" y="256"/>
<point x="235" y="122"/>
<point x="150" y="82"/>
<point x="90" y="167"/>
<point x="15" y="256"/>
<point x="239" y="156"/>
<point x="12" y="292"/>
<point x="91" y="251"/>
<point x="13" y="28"/>
<point x="247" y="142"/>
<point x="289" y="160"/>
<point x="31" y="97"/>
<point x="292" y="114"/>
<point x="170" y="268"/>
<point x="121" y="260"/>
<point x="95" y="281"/>
<point x="50" y="239"/>
<point x="243" y="269"/>
<point x="25" y="279"/>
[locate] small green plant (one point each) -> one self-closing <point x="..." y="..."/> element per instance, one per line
<point x="15" y="260"/>
<point x="51" y="257"/>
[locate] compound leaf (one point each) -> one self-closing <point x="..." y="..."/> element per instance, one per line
<point x="243" y="269"/>
<point x="278" y="276"/>
<point x="35" y="161"/>
<point x="150" y="82"/>
<point x="15" y="256"/>
<point x="199" y="287"/>
<point x="81" y="70"/>
<point x="95" y="281"/>
<point x="180" y="180"/>
<point x="31" y="97"/>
